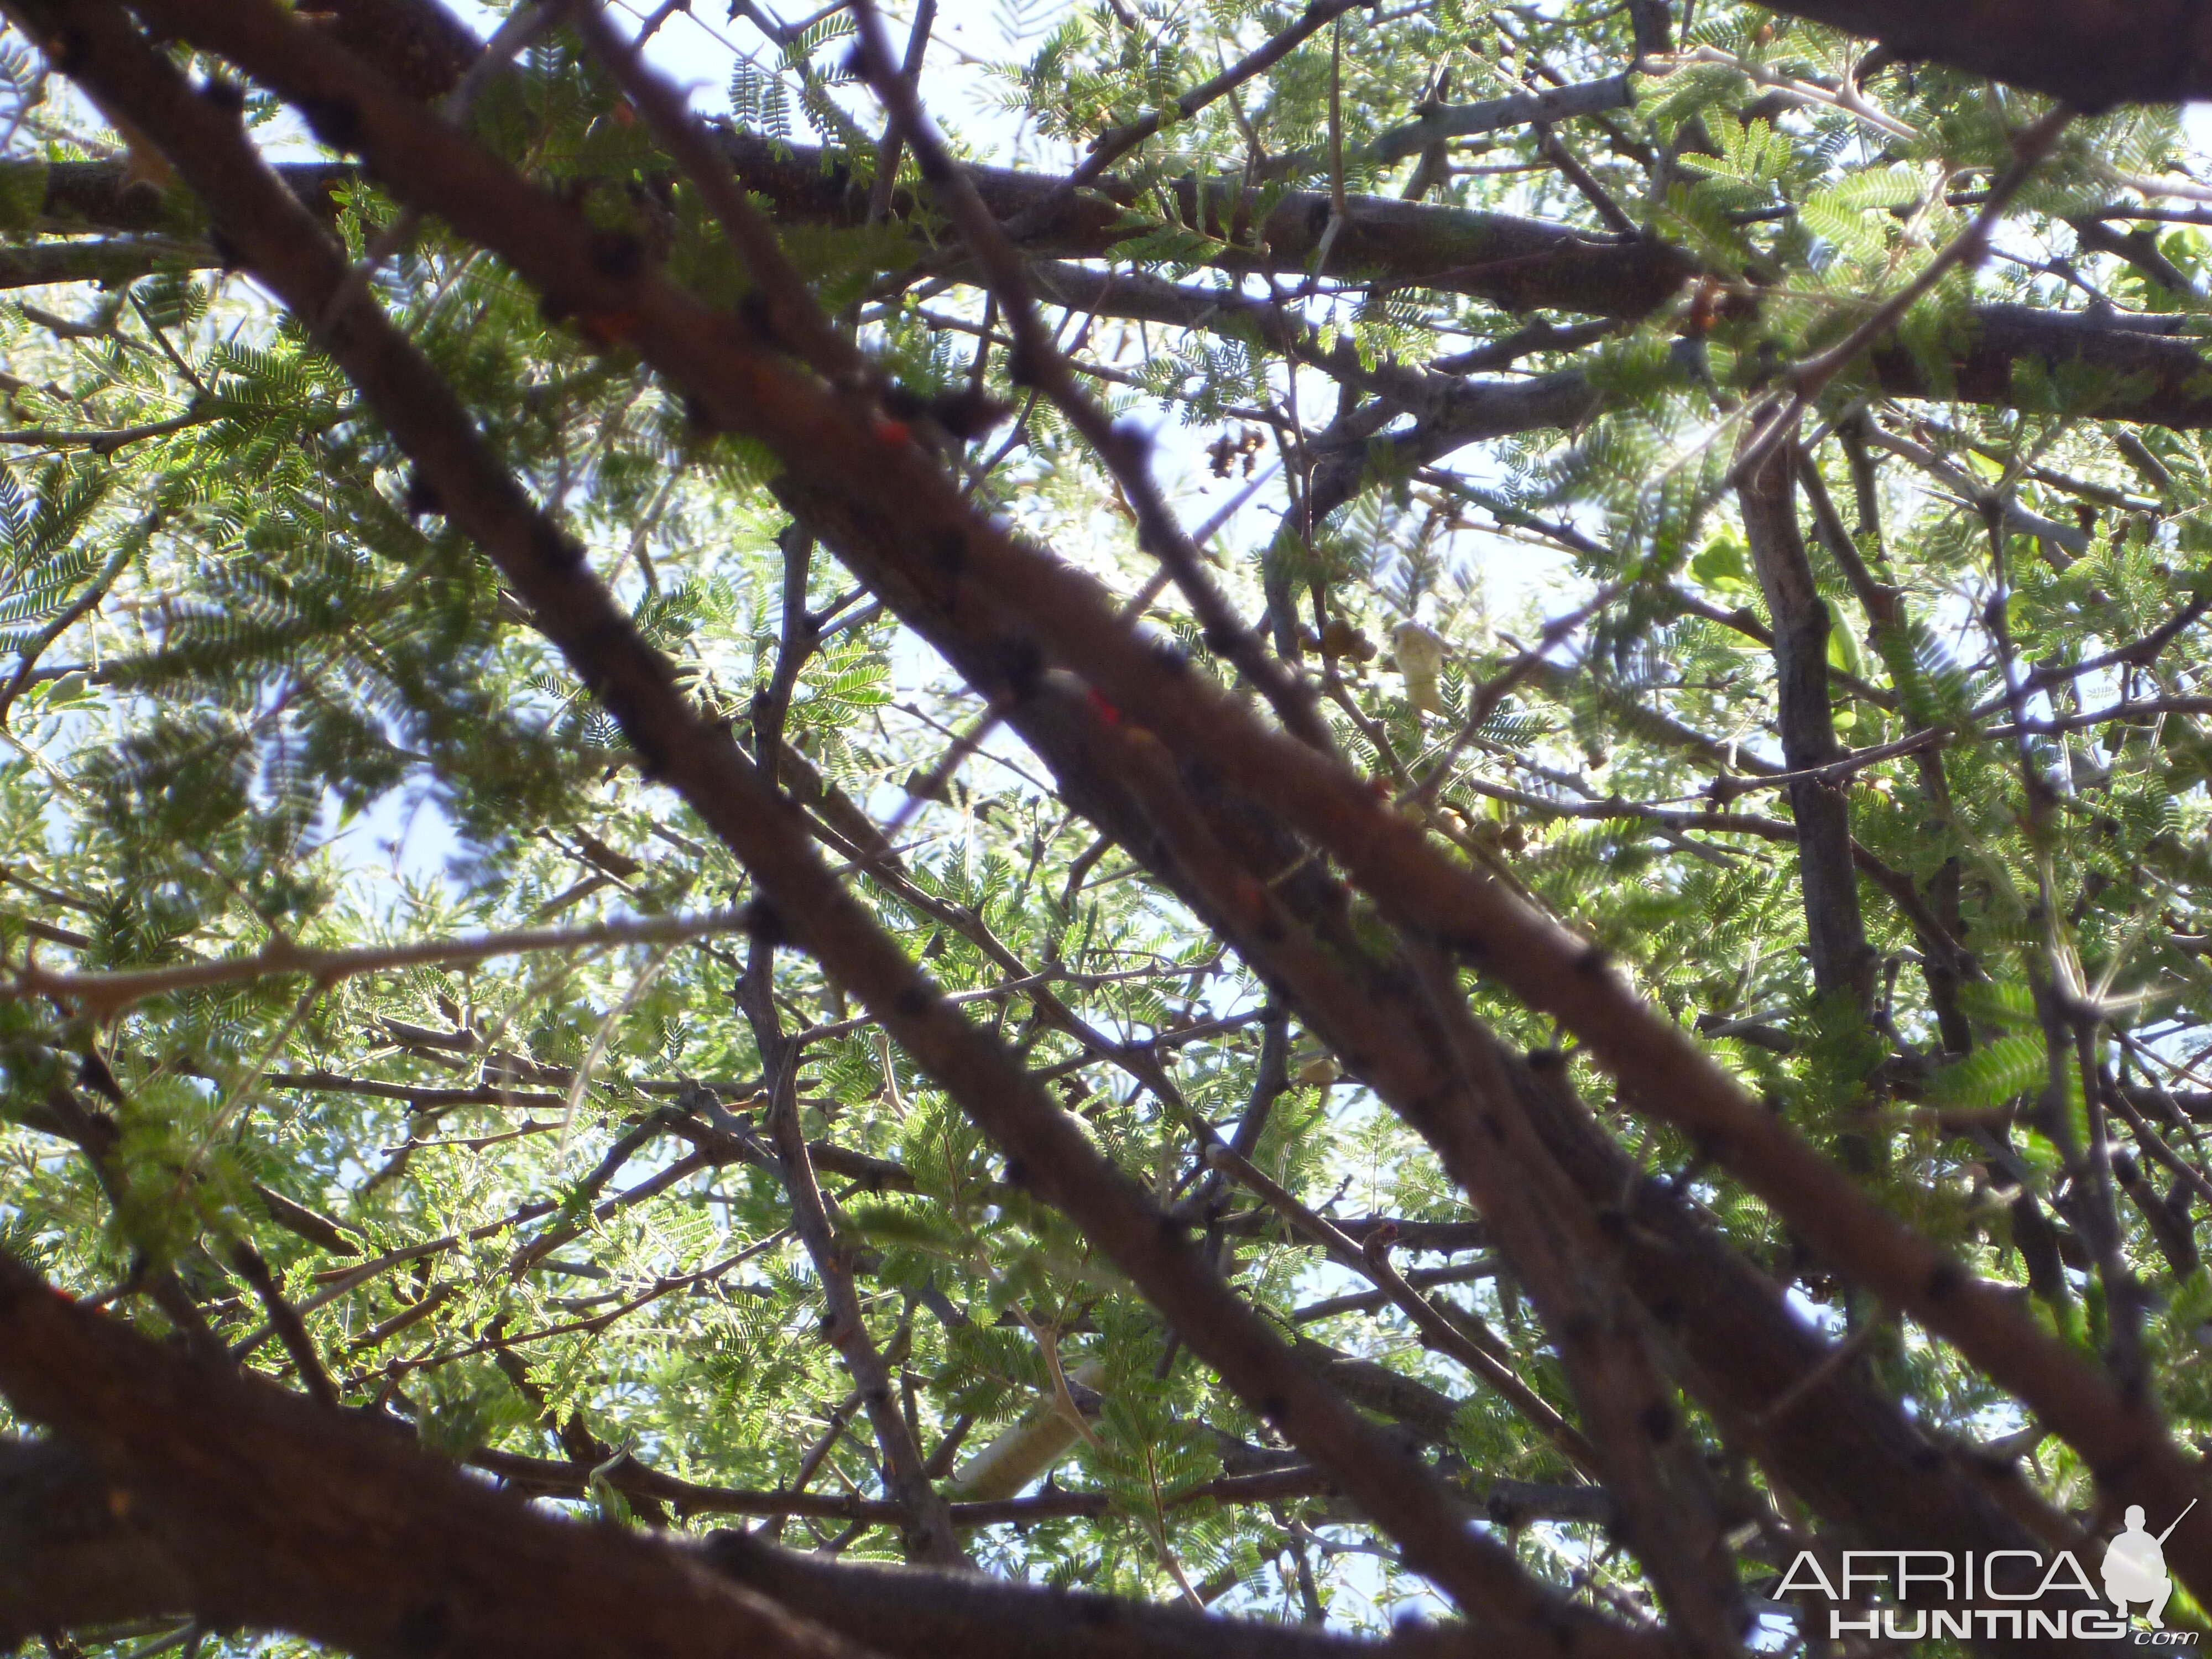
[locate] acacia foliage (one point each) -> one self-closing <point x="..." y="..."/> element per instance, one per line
<point x="543" y="1207"/>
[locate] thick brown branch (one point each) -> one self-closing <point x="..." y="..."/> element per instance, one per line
<point x="2092" y="53"/>
<point x="105" y="196"/>
<point x="263" y="1511"/>
<point x="72" y="1556"/>
<point x="1842" y="962"/>
<point x="933" y="1616"/>
<point x="699" y="758"/>
<point x="1518" y="263"/>
<point x="68" y="1557"/>
<point x="109" y="262"/>
<point x="991" y="606"/>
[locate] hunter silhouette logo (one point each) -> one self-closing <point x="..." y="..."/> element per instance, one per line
<point x="2135" y="1566"/>
<point x="1919" y="1595"/>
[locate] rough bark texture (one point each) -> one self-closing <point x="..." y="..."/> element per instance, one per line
<point x="907" y="539"/>
<point x="2094" y="54"/>
<point x="805" y="902"/>
<point x="1834" y="929"/>
<point x="911" y="1614"/>
<point x="78" y="1548"/>
<point x="405" y="1561"/>
<point x="70" y="1554"/>
<point x="1513" y="262"/>
<point x="2142" y="368"/>
<point x="270" y="1512"/>
<point x="424" y="50"/>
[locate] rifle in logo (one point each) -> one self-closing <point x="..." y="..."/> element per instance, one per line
<point x="2135" y="1566"/>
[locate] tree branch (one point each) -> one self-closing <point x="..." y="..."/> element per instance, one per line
<point x="2093" y="53"/>
<point x="1843" y="963"/>
<point x="803" y="900"/>
<point x="103" y="995"/>
<point x="267" y="1512"/>
<point x="905" y="539"/>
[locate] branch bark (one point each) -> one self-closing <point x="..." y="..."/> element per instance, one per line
<point x="2092" y="53"/>
<point x="1842" y="962"/>
<point x="802" y="901"/>
<point x="936" y="1615"/>
<point x="69" y="1559"/>
<point x="1001" y="614"/>
<point x="102" y="995"/>
<point x="66" y="1557"/>
<point x="262" y="1509"/>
